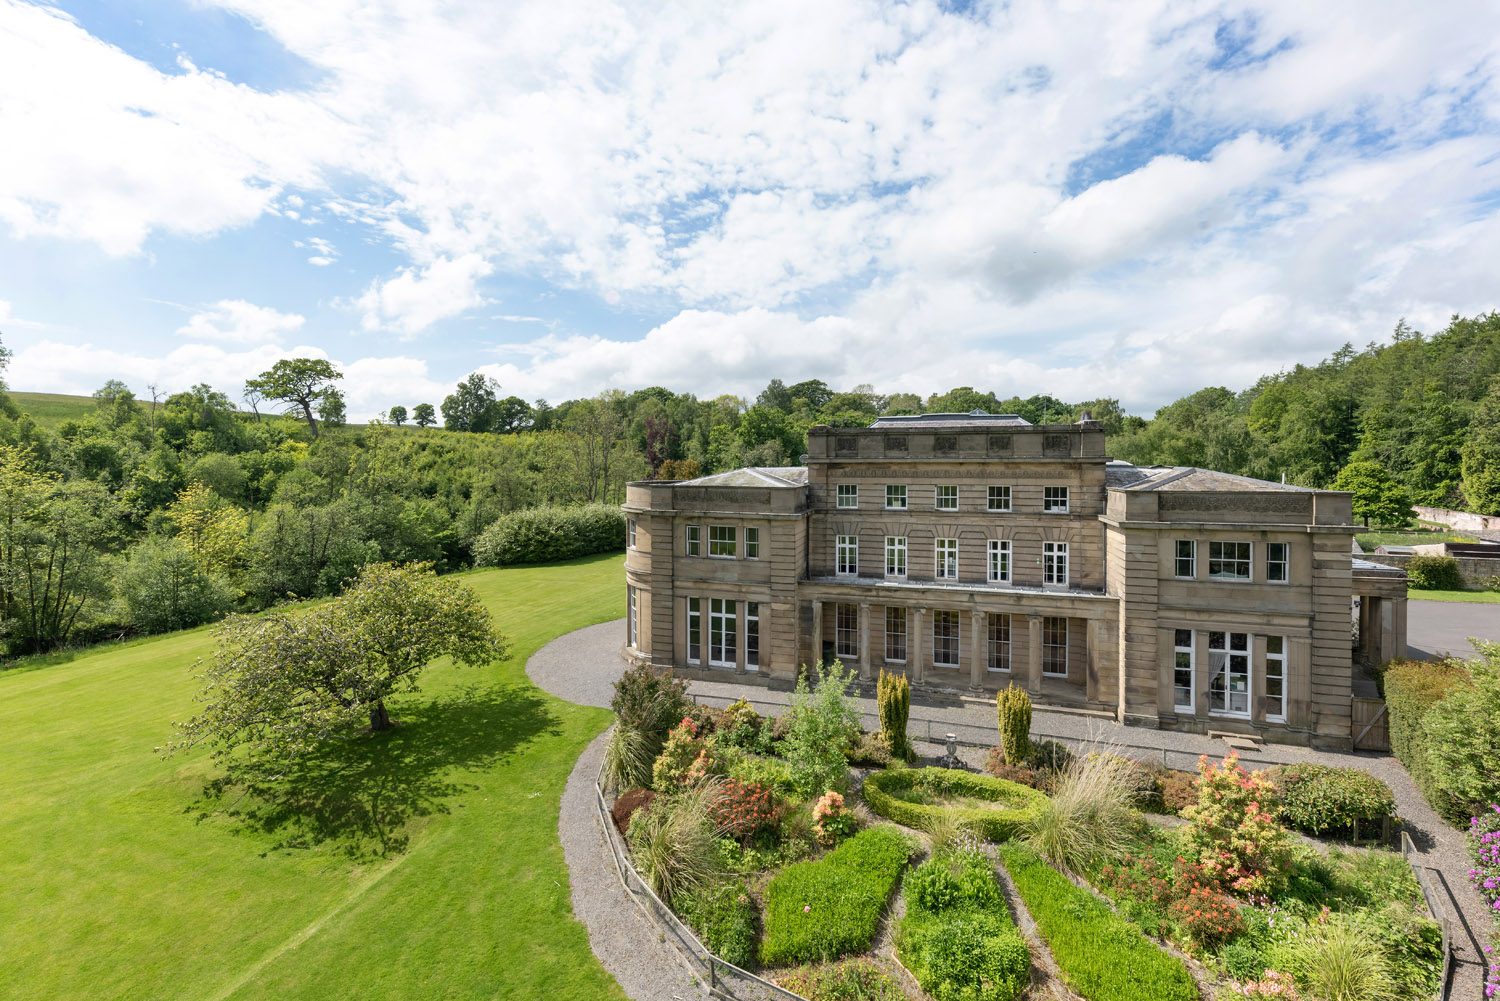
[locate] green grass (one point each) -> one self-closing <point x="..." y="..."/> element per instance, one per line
<point x="51" y="409"/>
<point x="1408" y="537"/>
<point x="419" y="864"/>
<point x="1483" y="597"/>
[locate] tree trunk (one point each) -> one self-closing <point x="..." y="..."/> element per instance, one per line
<point x="379" y="718"/>
<point x="307" y="409"/>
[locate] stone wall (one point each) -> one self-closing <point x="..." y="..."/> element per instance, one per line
<point x="1476" y="572"/>
<point x="1460" y="521"/>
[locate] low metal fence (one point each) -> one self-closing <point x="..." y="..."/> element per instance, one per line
<point x="1439" y="910"/>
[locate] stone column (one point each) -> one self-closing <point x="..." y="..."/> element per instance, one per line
<point x="741" y="613"/>
<point x="1033" y="654"/>
<point x="1091" y="659"/>
<point x="864" y="641"/>
<point x="978" y="652"/>
<point x="817" y="633"/>
<point x="914" y="644"/>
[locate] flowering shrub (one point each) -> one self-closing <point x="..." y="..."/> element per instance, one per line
<point x="738" y="724"/>
<point x="1484" y="846"/>
<point x="1233" y="829"/>
<point x="685" y="759"/>
<point x="1189" y="898"/>
<point x="745" y="809"/>
<point x="1271" y="987"/>
<point x="832" y="820"/>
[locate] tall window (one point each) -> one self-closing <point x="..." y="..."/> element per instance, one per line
<point x="848" y="554"/>
<point x="999" y="652"/>
<point x="848" y="495"/>
<point x="1000" y="561"/>
<point x="1229" y="673"/>
<point x="946" y="498"/>
<point x="999" y="499"/>
<point x="1055" y="564"/>
<point x="1276" y="562"/>
<point x="895" y="497"/>
<point x="693" y="541"/>
<point x="1182" y="671"/>
<point x="1055" y="646"/>
<point x="722" y="624"/>
<point x="895" y="634"/>
<point x="721" y="541"/>
<point x="1275" y="679"/>
<point x="1055" y="500"/>
<point x="633" y="630"/>
<point x="846" y="631"/>
<point x="752" y="543"/>
<point x="944" y="638"/>
<point x="945" y="558"/>
<point x="752" y="635"/>
<point x="630" y="533"/>
<point x="895" y="556"/>
<point x="695" y="630"/>
<point x="1229" y="561"/>
<point x="1187" y="559"/>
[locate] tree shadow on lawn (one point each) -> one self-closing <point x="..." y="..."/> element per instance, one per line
<point x="358" y="795"/>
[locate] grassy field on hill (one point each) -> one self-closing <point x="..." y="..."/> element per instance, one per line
<point x="51" y="409"/>
<point x="419" y="864"/>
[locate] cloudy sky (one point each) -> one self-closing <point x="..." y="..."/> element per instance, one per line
<point x="1126" y="199"/>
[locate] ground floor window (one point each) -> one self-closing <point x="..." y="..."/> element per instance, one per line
<point x="1275" y="679"/>
<point x="722" y="627"/>
<point x="999" y="652"/>
<point x="634" y="627"/>
<point x="1229" y="673"/>
<point x="895" y="635"/>
<point x="695" y="630"/>
<point x="1055" y="646"/>
<point x="945" y="639"/>
<point x="846" y="631"/>
<point x="752" y="635"/>
<point x="1182" y="671"/>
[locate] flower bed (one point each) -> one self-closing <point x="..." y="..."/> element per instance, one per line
<point x="890" y="794"/>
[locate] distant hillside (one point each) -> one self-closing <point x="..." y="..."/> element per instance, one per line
<point x="51" y="409"/>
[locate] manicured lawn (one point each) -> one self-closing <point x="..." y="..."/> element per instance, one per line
<point x="1421" y="536"/>
<point x="421" y="864"/>
<point x="1483" y="597"/>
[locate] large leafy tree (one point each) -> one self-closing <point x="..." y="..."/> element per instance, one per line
<point x="1481" y="455"/>
<point x="398" y="415"/>
<point x="424" y="415"/>
<point x="301" y="383"/>
<point x="473" y="405"/>
<point x="282" y="683"/>
<point x="1376" y="494"/>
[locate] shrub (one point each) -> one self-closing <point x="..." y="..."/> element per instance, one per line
<point x="673" y="842"/>
<point x="890" y="794"/>
<point x="1101" y="955"/>
<point x="893" y="700"/>
<point x="849" y="980"/>
<point x="629" y="802"/>
<point x="870" y="749"/>
<point x="744" y="810"/>
<point x="1091" y="813"/>
<point x="822" y="724"/>
<point x="1465" y="738"/>
<point x="1412" y="690"/>
<point x="819" y="911"/>
<point x="1434" y="573"/>
<point x="1013" y="713"/>
<point x="995" y="764"/>
<point x="832" y="821"/>
<point x="959" y="878"/>
<point x="548" y="534"/>
<point x="738" y="725"/>
<point x="1233" y="829"/>
<point x="1338" y="963"/>
<point x="1272" y="987"/>
<point x="1179" y="790"/>
<point x="163" y="588"/>
<point x="1185" y="900"/>
<point x="1484" y="847"/>
<point x="686" y="759"/>
<point x="723" y="915"/>
<point x="651" y="702"/>
<point x="1318" y="798"/>
<point x="964" y="954"/>
<point x="771" y="772"/>
<point x="627" y="759"/>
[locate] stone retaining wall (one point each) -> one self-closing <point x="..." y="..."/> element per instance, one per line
<point x="1475" y="572"/>
<point x="1460" y="521"/>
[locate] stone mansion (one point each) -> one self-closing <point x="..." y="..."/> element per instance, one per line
<point x="973" y="551"/>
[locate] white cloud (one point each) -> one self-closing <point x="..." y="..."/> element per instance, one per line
<point x="417" y="298"/>
<point x="9" y="320"/>
<point x="238" y="321"/>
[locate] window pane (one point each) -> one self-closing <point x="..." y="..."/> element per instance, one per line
<point x="895" y="634"/>
<point x="999" y="498"/>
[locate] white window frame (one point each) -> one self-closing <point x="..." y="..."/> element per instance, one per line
<point x="1054" y="564"/>
<point x="1054" y="500"/>
<point x="895" y="492"/>
<point x="945" y="497"/>
<point x="1285" y="562"/>
<point x="998" y="644"/>
<point x="846" y="555"/>
<point x="999" y="561"/>
<point x="1219" y="664"/>
<point x="752" y="636"/>
<point x="752" y="543"/>
<point x="694" y="630"/>
<point x="1184" y="658"/>
<point x="845" y="629"/>
<point x="630" y="533"/>
<point x="847" y="495"/>
<point x="1248" y="562"/>
<point x="1049" y="622"/>
<point x="723" y="630"/>
<point x="945" y="642"/>
<point x="1278" y="660"/>
<point x="945" y="559"/>
<point x="895" y="556"/>
<point x="1188" y="562"/>
<point x="998" y="500"/>
<point x="633" y="603"/>
<point x="693" y="540"/>
<point x="729" y="541"/>
<point x="895" y="615"/>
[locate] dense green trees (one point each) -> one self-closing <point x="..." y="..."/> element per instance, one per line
<point x="1376" y="494"/>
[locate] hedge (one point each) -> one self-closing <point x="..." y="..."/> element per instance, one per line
<point x="1001" y="824"/>
<point x="1319" y="799"/>
<point x="1102" y="956"/>
<point x="548" y="534"/>
<point x="818" y="911"/>
<point x="1434" y="573"/>
<point x="1412" y="689"/>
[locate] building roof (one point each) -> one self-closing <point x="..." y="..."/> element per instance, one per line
<point x="1125" y="476"/>
<point x="1368" y="568"/>
<point x="752" y="476"/>
<point x="972" y="419"/>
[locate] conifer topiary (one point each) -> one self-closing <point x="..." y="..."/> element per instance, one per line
<point x="1013" y="713"/>
<point x="893" y="700"/>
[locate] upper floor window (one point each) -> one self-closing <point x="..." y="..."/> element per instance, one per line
<point x="945" y="558"/>
<point x="848" y="554"/>
<point x="1055" y="564"/>
<point x="848" y="495"/>
<point x="946" y="498"/>
<point x="1055" y="500"/>
<point x="721" y="541"/>
<point x="752" y="543"/>
<point x="630" y="533"/>
<point x="1000" y="561"/>
<point x="895" y="556"/>
<point x="693" y="541"/>
<point x="1229" y="560"/>
<point x="1276" y="562"/>
<point x="999" y="499"/>
<point x="895" y="497"/>
<point x="1186" y="559"/>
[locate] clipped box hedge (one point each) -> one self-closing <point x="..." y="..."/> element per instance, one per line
<point x="1412" y="689"/>
<point x="882" y="794"/>
<point x="549" y="534"/>
<point x="1102" y="956"/>
<point x="1319" y="799"/>
<point x="1434" y="573"/>
<point x="818" y="911"/>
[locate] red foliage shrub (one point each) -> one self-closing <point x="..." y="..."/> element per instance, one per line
<point x="630" y="801"/>
<point x="745" y="809"/>
<point x="997" y="766"/>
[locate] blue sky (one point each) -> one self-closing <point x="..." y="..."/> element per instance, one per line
<point x="1131" y="200"/>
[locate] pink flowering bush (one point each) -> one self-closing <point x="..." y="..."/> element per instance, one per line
<point x="1234" y="831"/>
<point x="1272" y="986"/>
<point x="687" y="758"/>
<point x="832" y="820"/>
<point x="1484" y="846"/>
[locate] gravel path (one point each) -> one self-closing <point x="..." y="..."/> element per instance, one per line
<point x="583" y="666"/>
